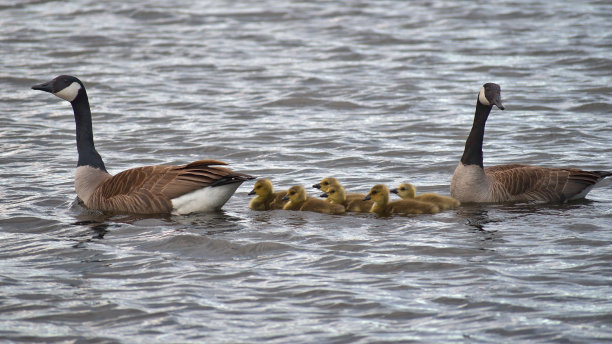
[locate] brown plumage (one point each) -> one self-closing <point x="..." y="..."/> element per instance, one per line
<point x="533" y="183"/>
<point x="150" y="189"/>
<point x="266" y="198"/>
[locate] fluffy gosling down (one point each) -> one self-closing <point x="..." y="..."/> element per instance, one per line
<point x="335" y="194"/>
<point x="408" y="191"/>
<point x="266" y="198"/>
<point x="379" y="194"/>
<point x="298" y="200"/>
<point x="328" y="182"/>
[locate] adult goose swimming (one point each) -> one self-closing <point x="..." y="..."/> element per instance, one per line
<point x="196" y="187"/>
<point x="511" y="183"/>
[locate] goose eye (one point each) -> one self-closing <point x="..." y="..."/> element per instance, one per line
<point x="331" y="192"/>
<point x="402" y="189"/>
<point x="373" y="192"/>
<point x="258" y="187"/>
<point x="326" y="183"/>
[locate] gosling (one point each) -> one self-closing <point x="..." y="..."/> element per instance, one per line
<point x="298" y="200"/>
<point x="379" y="194"/>
<point x="266" y="198"/>
<point x="328" y="182"/>
<point x="408" y="191"/>
<point x="336" y="195"/>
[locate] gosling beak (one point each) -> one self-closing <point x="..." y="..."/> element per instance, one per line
<point x="285" y="198"/>
<point x="367" y="198"/>
<point x="324" y="195"/>
<point x="395" y="191"/>
<point x="45" y="86"/>
<point x="252" y="192"/>
<point x="317" y="186"/>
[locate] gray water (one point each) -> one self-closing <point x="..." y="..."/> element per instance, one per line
<point x="367" y="91"/>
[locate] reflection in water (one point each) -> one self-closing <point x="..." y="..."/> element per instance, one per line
<point x="476" y="216"/>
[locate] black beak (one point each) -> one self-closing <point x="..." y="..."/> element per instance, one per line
<point x="46" y="86"/>
<point x="252" y="192"/>
<point x="367" y="198"/>
<point x="395" y="191"/>
<point x="497" y="102"/>
<point x="285" y="198"/>
<point x="324" y="195"/>
<point x="317" y="186"/>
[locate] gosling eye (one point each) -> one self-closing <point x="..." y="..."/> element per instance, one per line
<point x="258" y="187"/>
<point x="326" y="183"/>
<point x="331" y="192"/>
<point x="373" y="192"/>
<point x="402" y="189"/>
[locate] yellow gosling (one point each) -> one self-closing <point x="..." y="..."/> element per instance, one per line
<point x="328" y="182"/>
<point x="408" y="191"/>
<point x="337" y="195"/>
<point x="379" y="194"/>
<point x="266" y="198"/>
<point x="298" y="200"/>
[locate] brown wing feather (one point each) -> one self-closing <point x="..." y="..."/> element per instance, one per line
<point x="150" y="189"/>
<point x="529" y="183"/>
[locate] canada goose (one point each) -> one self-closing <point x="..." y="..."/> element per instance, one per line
<point x="408" y="191"/>
<point x="195" y="187"/>
<point x="379" y="194"/>
<point x="506" y="183"/>
<point x="266" y="198"/>
<point x="335" y="194"/>
<point x="298" y="200"/>
<point x="328" y="182"/>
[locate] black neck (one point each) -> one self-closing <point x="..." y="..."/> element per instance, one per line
<point x="472" y="155"/>
<point x="88" y="156"/>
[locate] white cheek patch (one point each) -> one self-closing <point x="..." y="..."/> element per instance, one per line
<point x="482" y="99"/>
<point x="69" y="93"/>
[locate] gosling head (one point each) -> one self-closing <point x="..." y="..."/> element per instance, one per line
<point x="296" y="194"/>
<point x="378" y="194"/>
<point x="335" y="194"/>
<point x="405" y="191"/>
<point x="490" y="94"/>
<point x="325" y="183"/>
<point x="262" y="187"/>
<point x="64" y="86"/>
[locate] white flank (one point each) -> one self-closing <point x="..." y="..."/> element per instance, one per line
<point x="203" y="200"/>
<point x="70" y="92"/>
<point x="481" y="97"/>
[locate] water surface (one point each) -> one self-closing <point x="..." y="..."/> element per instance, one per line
<point x="369" y="92"/>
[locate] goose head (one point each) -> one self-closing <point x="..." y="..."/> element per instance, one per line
<point x="378" y="194"/>
<point x="296" y="194"/>
<point x="405" y="190"/>
<point x="64" y="86"/>
<point x="325" y="183"/>
<point x="490" y="94"/>
<point x="262" y="188"/>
